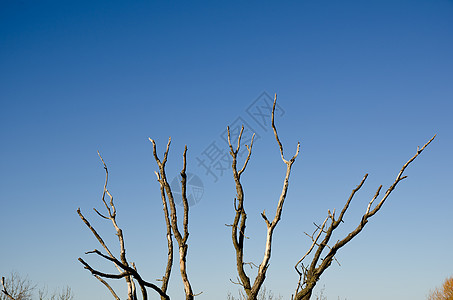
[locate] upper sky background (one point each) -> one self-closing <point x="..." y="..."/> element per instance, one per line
<point x="360" y="84"/>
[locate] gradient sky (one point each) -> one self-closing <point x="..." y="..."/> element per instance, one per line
<point x="360" y="83"/>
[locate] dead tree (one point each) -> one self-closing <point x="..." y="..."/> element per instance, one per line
<point x="166" y="192"/>
<point x="239" y="223"/>
<point x="310" y="273"/>
<point x="127" y="271"/>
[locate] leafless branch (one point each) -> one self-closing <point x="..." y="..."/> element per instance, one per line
<point x="251" y="264"/>
<point x="314" y="271"/>
<point x="16" y="287"/>
<point x="315" y="240"/>
<point x="180" y="238"/>
<point x="121" y="264"/>
<point x="166" y="276"/>
<point x="239" y="224"/>
<point x="107" y="286"/>
<point x="4" y="290"/>
<point x="271" y="225"/>
<point x="127" y="271"/>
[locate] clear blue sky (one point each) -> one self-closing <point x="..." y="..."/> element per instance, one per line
<point x="361" y="84"/>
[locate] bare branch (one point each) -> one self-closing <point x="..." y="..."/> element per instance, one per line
<point x="107" y="286"/>
<point x="372" y="200"/>
<point x="263" y="214"/>
<point x="101" y="215"/>
<point x="181" y="239"/>
<point x="112" y="213"/>
<point x="184" y="198"/>
<point x="105" y="275"/>
<point x="198" y="294"/>
<point x="315" y="240"/>
<point x="249" y="149"/>
<point x="313" y="273"/>
<point x="105" y="187"/>
<point x="166" y="276"/>
<point x="159" y="163"/>
<point x="399" y="177"/>
<point x="251" y="264"/>
<point x="122" y="264"/>
<point x="239" y="223"/>
<point x="233" y="282"/>
<point x="4" y="290"/>
<point x="270" y="227"/>
<point x="98" y="237"/>
<point x="278" y="140"/>
<point x="354" y="191"/>
<point x="127" y="272"/>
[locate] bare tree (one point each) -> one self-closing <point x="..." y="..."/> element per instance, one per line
<point x="308" y="274"/>
<point x="16" y="287"/>
<point x="239" y="223"/>
<point x="126" y="270"/>
<point x="166" y="192"/>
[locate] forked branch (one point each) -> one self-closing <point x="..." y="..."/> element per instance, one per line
<point x="239" y="223"/>
<point x="312" y="274"/>
<point x="166" y="193"/>
<point x="122" y="264"/>
<point x="5" y="291"/>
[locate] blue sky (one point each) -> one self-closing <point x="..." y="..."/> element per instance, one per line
<point x="361" y="84"/>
